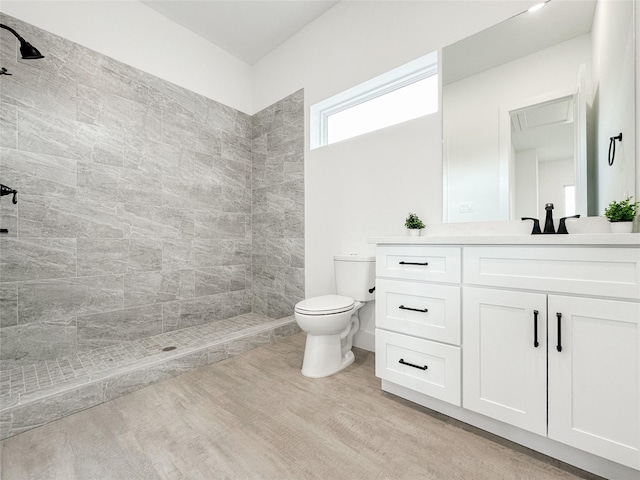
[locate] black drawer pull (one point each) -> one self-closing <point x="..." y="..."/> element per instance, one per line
<point x="412" y="365"/>
<point x="535" y="328"/>
<point x="559" y="345"/>
<point x="414" y="263"/>
<point x="421" y="310"/>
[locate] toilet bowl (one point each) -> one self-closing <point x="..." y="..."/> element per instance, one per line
<point x="331" y="321"/>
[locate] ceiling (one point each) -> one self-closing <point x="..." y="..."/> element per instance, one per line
<point x="248" y="29"/>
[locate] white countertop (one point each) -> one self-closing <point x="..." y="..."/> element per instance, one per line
<point x="583" y="231"/>
<point x="585" y="239"/>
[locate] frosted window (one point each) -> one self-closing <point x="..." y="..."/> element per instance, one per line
<point x="404" y="93"/>
<point x="409" y="102"/>
<point x="569" y="200"/>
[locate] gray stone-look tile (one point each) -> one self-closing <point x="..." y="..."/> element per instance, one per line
<point x="131" y="382"/>
<point x="157" y="287"/>
<point x="38" y="174"/>
<point x="136" y="195"/>
<point x="220" y="225"/>
<point x="103" y="329"/>
<point x="22" y="418"/>
<point x="157" y="158"/>
<point x="231" y="173"/>
<point x="36" y="258"/>
<point x="65" y="217"/>
<point x="45" y="133"/>
<point x="191" y="194"/>
<point x="105" y="183"/>
<point x="209" y="141"/>
<point x="8" y="304"/>
<point x="220" y="279"/>
<point x="177" y="254"/>
<point x="8" y="125"/>
<point x="186" y="313"/>
<point x="147" y="221"/>
<point x="118" y="113"/>
<point x="26" y="344"/>
<point x="61" y="299"/>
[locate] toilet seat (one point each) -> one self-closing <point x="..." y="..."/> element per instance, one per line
<point x="325" y="305"/>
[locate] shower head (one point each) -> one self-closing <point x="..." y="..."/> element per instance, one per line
<point x="28" y="51"/>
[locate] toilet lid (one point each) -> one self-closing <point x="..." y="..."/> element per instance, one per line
<point x="325" y="305"/>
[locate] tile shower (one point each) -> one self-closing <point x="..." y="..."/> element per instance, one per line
<point x="145" y="212"/>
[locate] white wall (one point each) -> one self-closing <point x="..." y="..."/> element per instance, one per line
<point x="611" y="67"/>
<point x="137" y="35"/>
<point x="366" y="186"/>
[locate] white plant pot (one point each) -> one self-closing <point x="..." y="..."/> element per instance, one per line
<point x="414" y="232"/>
<point x="621" y="227"/>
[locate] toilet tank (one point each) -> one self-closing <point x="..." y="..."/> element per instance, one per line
<point x="355" y="275"/>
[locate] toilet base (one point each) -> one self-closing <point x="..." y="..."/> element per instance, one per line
<point x="323" y="356"/>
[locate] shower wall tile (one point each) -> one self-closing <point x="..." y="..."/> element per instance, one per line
<point x="220" y="225"/>
<point x="145" y="221"/>
<point x="51" y="301"/>
<point x="36" y="258"/>
<point x="158" y="287"/>
<point x="65" y="217"/>
<point x="142" y="206"/>
<point x="177" y="254"/>
<point x="277" y="278"/>
<point x="37" y="174"/>
<point x="109" y="328"/>
<point x="8" y="123"/>
<point x="8" y="304"/>
<point x="103" y="256"/>
<point x="186" y="313"/>
<point x="106" y="183"/>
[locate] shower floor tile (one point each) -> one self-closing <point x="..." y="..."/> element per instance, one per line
<point x="38" y="380"/>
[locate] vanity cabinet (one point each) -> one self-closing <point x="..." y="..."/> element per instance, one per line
<point x="418" y="319"/>
<point x="586" y="348"/>
<point x="536" y="343"/>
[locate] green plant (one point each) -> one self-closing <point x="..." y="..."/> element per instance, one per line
<point x="623" y="211"/>
<point x="413" y="222"/>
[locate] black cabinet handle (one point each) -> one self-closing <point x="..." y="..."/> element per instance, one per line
<point x="559" y="345"/>
<point x="412" y="365"/>
<point x="535" y="329"/>
<point x="421" y="310"/>
<point x="414" y="263"/>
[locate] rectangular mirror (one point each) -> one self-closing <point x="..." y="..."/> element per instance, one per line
<point x="529" y="109"/>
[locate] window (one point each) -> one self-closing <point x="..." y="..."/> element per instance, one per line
<point x="407" y="92"/>
<point x="569" y="200"/>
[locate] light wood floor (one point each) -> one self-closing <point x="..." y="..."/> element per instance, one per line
<point x="256" y="417"/>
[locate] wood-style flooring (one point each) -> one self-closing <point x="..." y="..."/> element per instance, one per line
<point x="255" y="416"/>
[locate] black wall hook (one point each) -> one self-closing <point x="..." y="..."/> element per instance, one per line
<point x="612" y="147"/>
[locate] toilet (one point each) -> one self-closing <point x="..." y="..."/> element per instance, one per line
<point x="330" y="321"/>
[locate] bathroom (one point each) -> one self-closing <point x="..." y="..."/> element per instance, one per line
<point x="271" y="254"/>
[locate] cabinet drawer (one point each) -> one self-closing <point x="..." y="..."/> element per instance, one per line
<point x="401" y="359"/>
<point x="610" y="272"/>
<point x="400" y="307"/>
<point x="438" y="264"/>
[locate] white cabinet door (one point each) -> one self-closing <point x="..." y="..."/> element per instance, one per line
<point x="594" y="380"/>
<point x="505" y="356"/>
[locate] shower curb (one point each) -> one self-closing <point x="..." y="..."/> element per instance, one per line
<point x="47" y="405"/>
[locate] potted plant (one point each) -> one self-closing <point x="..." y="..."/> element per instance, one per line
<point x="621" y="215"/>
<point x="413" y="224"/>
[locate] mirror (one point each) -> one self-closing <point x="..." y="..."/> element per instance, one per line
<point x="529" y="107"/>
